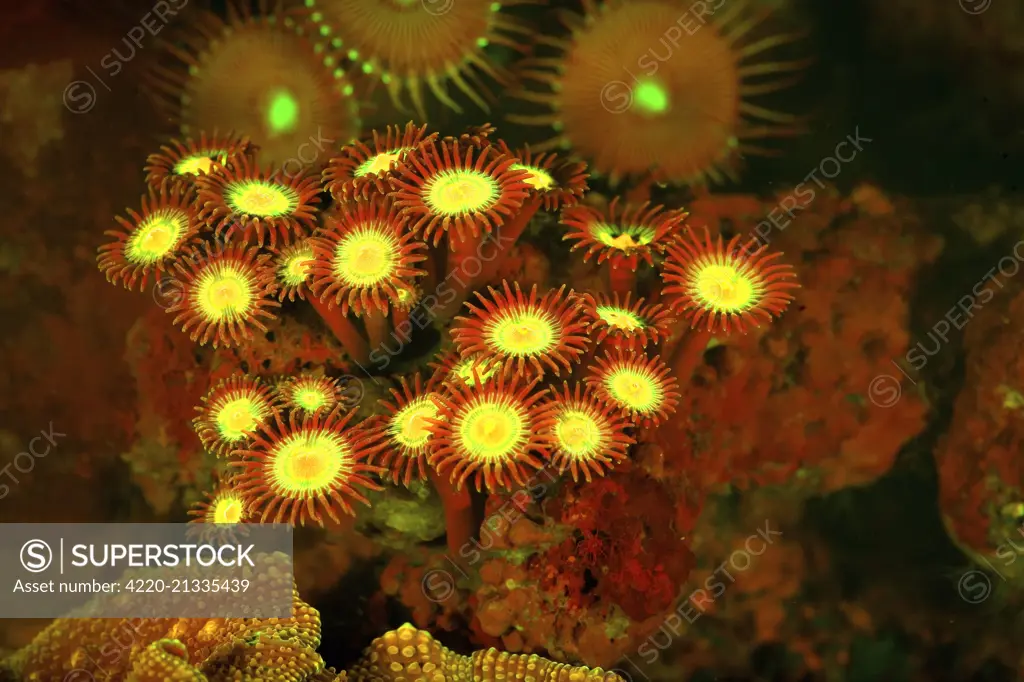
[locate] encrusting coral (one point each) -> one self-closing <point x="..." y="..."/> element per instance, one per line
<point x="280" y="650"/>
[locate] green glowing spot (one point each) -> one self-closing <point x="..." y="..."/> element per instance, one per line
<point x="258" y="198"/>
<point x="620" y="318"/>
<point x="282" y="113"/>
<point x="623" y="237"/>
<point x="579" y="434"/>
<point x="224" y="293"/>
<point x="367" y="67"/>
<point x="537" y="178"/>
<point x="366" y="256"/>
<point x="482" y="42"/>
<point x="353" y="55"/>
<point x="238" y="416"/>
<point x="156" y="236"/>
<point x="524" y="333"/>
<point x="459" y="192"/>
<point x="304" y="464"/>
<point x="491" y="431"/>
<point x="650" y="97"/>
<point x="635" y="389"/>
<point x="410" y="426"/>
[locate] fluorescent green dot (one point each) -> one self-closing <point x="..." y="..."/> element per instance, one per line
<point x="353" y="55"/>
<point x="650" y="97"/>
<point x="283" y="112"/>
<point x="482" y="42"/>
<point x="367" y="67"/>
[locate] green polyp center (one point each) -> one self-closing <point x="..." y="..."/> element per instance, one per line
<point x="578" y="433"/>
<point x="725" y="288"/>
<point x="228" y="509"/>
<point x="295" y="268"/>
<point x="224" y="293"/>
<point x="623" y="237"/>
<point x="198" y="163"/>
<point x="650" y="97"/>
<point x="366" y="257"/>
<point x="282" y="113"/>
<point x="537" y="178"/>
<point x="523" y="333"/>
<point x="381" y="163"/>
<point x="156" y="236"/>
<point x="619" y="318"/>
<point x="308" y="463"/>
<point x="484" y="370"/>
<point x="238" y="417"/>
<point x="492" y="431"/>
<point x="634" y="390"/>
<point x="410" y="425"/>
<point x="310" y="398"/>
<point x="261" y="198"/>
<point x="457" y="192"/>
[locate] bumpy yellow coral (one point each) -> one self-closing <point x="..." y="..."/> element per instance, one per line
<point x="413" y="655"/>
<point x="271" y="650"/>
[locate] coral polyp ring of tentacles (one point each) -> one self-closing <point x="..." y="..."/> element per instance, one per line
<point x="365" y="258"/>
<point x="294" y="267"/>
<point x="623" y="234"/>
<point x="631" y="325"/>
<point x="309" y="393"/>
<point x="231" y="411"/>
<point x="588" y="434"/>
<point x="444" y="188"/>
<point x="687" y="113"/>
<point x="364" y="166"/>
<point x="295" y="471"/>
<point x="543" y="333"/>
<point x="490" y="432"/>
<point x="262" y="205"/>
<point x="558" y="182"/>
<point x="224" y="506"/>
<point x="409" y="44"/>
<point x="150" y="240"/>
<point x="722" y="286"/>
<point x="226" y="291"/>
<point x="639" y="386"/>
<point x="183" y="160"/>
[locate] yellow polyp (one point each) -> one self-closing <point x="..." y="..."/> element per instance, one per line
<point x="623" y="237"/>
<point x="578" y="433"/>
<point x="537" y="178"/>
<point x="308" y="463"/>
<point x="261" y="199"/>
<point x="296" y="269"/>
<point x="522" y="334"/>
<point x="196" y="165"/>
<point x="634" y="390"/>
<point x="490" y="431"/>
<point x="237" y="418"/>
<point x="224" y="295"/>
<point x="484" y="369"/>
<point x="228" y="509"/>
<point x="410" y="425"/>
<point x="724" y="288"/>
<point x="381" y="163"/>
<point x="461" y="192"/>
<point x="620" y="319"/>
<point x="366" y="257"/>
<point x="156" y="236"/>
